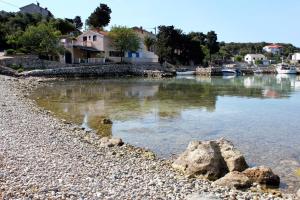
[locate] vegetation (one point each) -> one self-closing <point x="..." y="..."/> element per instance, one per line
<point x="100" y="17"/>
<point x="124" y="39"/>
<point x="149" y="42"/>
<point x="42" y="40"/>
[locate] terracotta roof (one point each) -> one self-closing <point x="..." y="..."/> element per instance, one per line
<point x="275" y="46"/>
<point x="105" y="33"/>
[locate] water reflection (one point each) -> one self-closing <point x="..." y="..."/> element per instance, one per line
<point x="258" y="113"/>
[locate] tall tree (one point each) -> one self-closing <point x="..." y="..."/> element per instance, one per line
<point x="100" y="17"/>
<point x="212" y="43"/>
<point x="124" y="39"/>
<point x="78" y="22"/>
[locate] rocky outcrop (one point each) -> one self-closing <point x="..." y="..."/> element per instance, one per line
<point x="201" y="159"/>
<point x="210" y="159"/>
<point x="234" y="159"/>
<point x="111" y="142"/>
<point x="234" y="179"/>
<point x="262" y="175"/>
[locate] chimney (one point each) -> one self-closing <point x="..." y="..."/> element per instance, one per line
<point x="141" y="28"/>
<point x="46" y="8"/>
<point x="38" y="4"/>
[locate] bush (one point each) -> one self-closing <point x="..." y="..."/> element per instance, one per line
<point x="10" y="52"/>
<point x="20" y="70"/>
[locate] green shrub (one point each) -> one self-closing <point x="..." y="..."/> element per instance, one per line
<point x="10" y="52"/>
<point x="20" y="70"/>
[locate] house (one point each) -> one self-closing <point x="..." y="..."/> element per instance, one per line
<point x="35" y="9"/>
<point x="273" y="48"/>
<point x="296" y="58"/>
<point x="251" y="58"/>
<point x="95" y="46"/>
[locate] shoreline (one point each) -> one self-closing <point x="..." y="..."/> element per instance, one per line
<point x="65" y="161"/>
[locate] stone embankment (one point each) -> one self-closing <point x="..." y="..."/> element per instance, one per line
<point x="217" y="71"/>
<point x="42" y="157"/>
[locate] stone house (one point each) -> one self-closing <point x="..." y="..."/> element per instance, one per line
<point x="35" y="9"/>
<point x="95" y="46"/>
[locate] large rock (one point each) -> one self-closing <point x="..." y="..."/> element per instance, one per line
<point x="202" y="159"/>
<point x="233" y="157"/>
<point x="210" y="159"/>
<point x="234" y="180"/>
<point x="262" y="175"/>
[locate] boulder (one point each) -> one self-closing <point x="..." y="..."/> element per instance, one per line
<point x="263" y="175"/>
<point x="234" y="180"/>
<point x="234" y="159"/>
<point x="210" y="159"/>
<point x="111" y="142"/>
<point x="202" y="159"/>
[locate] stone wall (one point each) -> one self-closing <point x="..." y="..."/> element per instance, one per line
<point x="103" y="70"/>
<point x="30" y="62"/>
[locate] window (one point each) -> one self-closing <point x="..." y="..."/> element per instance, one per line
<point x="95" y="38"/>
<point x="253" y="58"/>
<point x="84" y="38"/>
<point x="89" y="37"/>
<point x="116" y="54"/>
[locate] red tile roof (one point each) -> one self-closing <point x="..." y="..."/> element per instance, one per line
<point x="274" y="46"/>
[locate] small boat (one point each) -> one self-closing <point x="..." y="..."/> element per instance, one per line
<point x="229" y="72"/>
<point x="258" y="71"/>
<point x="286" y="69"/>
<point x="185" y="72"/>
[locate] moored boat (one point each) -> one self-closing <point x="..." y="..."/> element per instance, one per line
<point x="229" y="72"/>
<point x="286" y="69"/>
<point x="185" y="72"/>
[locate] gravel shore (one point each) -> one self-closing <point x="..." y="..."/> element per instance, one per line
<point x="42" y="157"/>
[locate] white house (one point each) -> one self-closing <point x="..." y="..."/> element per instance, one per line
<point x="251" y="58"/>
<point x="273" y="48"/>
<point x="296" y="58"/>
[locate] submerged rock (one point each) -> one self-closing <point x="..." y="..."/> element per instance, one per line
<point x="106" y="121"/>
<point x="210" y="159"/>
<point x="263" y="175"/>
<point x="234" y="180"/>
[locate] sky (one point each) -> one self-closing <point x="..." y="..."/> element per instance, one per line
<point x="233" y="20"/>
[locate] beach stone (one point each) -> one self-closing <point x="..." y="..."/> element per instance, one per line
<point x="233" y="157"/>
<point x="234" y="180"/>
<point x="298" y="193"/>
<point x="106" y="121"/>
<point x="263" y="175"/>
<point x="201" y="159"/>
<point x="204" y="196"/>
<point x="107" y="142"/>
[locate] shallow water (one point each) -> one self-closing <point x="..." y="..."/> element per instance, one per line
<point x="260" y="114"/>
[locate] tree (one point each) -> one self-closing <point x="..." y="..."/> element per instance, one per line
<point x="124" y="39"/>
<point x="100" y="17"/>
<point x="63" y="25"/>
<point x="212" y="43"/>
<point x="42" y="40"/>
<point x="149" y="42"/>
<point x="78" y="23"/>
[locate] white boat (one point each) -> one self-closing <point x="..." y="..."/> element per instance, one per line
<point x="229" y="72"/>
<point x="185" y="72"/>
<point x="258" y="71"/>
<point x="286" y="69"/>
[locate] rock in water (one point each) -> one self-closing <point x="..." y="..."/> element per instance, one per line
<point x="263" y="175"/>
<point x="202" y="159"/>
<point x="106" y="121"/>
<point x="234" y="179"/>
<point x="233" y="157"/>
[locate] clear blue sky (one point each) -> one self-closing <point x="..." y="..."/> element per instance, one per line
<point x="233" y="20"/>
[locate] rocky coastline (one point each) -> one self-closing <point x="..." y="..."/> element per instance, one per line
<point x="42" y="157"/>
